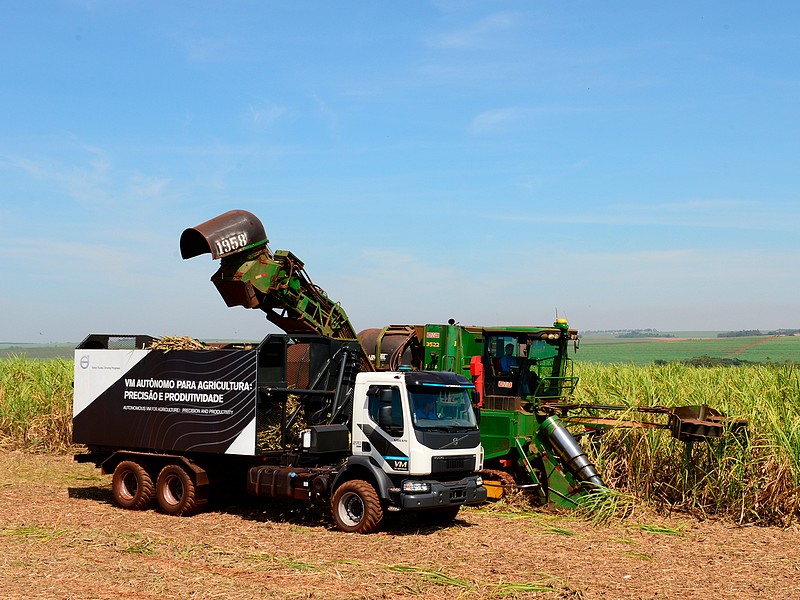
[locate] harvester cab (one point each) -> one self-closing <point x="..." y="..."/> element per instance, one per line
<point x="530" y="365"/>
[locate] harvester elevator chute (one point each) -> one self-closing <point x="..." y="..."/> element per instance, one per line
<point x="252" y="276"/>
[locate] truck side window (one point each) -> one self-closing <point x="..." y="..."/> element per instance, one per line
<point x="386" y="397"/>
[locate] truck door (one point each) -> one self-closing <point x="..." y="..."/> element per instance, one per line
<point x="384" y="431"/>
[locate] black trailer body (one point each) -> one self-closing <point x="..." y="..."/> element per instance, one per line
<point x="184" y="400"/>
<point x="220" y="401"/>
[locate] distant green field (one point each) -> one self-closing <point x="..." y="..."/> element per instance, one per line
<point x="641" y="351"/>
<point x="37" y="351"/>
<point x="593" y="348"/>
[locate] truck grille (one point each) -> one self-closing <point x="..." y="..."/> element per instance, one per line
<point x="452" y="464"/>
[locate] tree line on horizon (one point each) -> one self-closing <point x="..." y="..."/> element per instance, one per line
<point x="757" y="332"/>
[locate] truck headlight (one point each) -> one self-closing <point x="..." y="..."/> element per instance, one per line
<point x="416" y="486"/>
<point x="479" y="481"/>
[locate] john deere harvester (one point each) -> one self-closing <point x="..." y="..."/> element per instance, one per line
<point x="525" y="381"/>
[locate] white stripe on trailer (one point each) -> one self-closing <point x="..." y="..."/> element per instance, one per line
<point x="98" y="370"/>
<point x="245" y="442"/>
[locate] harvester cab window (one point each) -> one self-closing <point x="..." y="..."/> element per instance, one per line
<point x="385" y="408"/>
<point x="512" y="364"/>
<point x="543" y="354"/>
<point x="507" y="356"/>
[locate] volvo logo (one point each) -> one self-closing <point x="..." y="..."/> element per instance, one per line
<point x="84" y="362"/>
<point x="454" y="442"/>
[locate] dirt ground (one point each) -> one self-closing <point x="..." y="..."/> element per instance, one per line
<point x="61" y="537"/>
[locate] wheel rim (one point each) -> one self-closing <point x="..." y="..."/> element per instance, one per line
<point x="129" y="485"/>
<point x="351" y="509"/>
<point x="173" y="490"/>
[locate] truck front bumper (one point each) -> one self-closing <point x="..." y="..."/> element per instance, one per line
<point x="445" y="493"/>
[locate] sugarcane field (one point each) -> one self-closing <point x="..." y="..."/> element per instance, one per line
<point x="730" y="534"/>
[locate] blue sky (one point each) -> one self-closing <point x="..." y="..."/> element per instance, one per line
<point x="620" y="164"/>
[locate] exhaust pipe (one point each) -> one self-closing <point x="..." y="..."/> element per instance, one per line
<point x="570" y="452"/>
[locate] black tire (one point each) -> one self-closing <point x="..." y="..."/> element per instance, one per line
<point x="176" y="491"/>
<point x="356" y="507"/>
<point x="132" y="486"/>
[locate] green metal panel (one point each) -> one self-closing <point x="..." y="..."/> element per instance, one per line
<point x="497" y="430"/>
<point x="500" y="427"/>
<point x="434" y="340"/>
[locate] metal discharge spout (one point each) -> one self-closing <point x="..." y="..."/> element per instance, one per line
<point x="570" y="452"/>
<point x="252" y="276"/>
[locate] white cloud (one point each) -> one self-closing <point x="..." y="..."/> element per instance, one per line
<point x="204" y="48"/>
<point x="641" y="257"/>
<point x="92" y="179"/>
<point x="492" y="120"/>
<point x="325" y="112"/>
<point x="713" y="214"/>
<point x="502" y="119"/>
<point x="82" y="181"/>
<point x="147" y="187"/>
<point x="266" y="114"/>
<point x="396" y="287"/>
<point x="480" y="34"/>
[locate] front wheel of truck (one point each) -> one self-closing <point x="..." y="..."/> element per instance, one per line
<point x="132" y="486"/>
<point x="356" y="507"/>
<point x="176" y="492"/>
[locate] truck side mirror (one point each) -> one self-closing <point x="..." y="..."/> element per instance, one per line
<point x="390" y="413"/>
<point x="385" y="416"/>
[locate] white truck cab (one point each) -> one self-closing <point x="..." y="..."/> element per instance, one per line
<point x="420" y="429"/>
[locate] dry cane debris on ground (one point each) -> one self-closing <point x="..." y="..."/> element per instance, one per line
<point x="61" y="537"/>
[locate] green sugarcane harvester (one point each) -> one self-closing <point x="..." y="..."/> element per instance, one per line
<point x="525" y="380"/>
<point x="523" y="375"/>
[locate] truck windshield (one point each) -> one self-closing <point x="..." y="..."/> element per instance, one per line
<point x="441" y="407"/>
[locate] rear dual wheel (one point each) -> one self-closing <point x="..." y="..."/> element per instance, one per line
<point x="176" y="491"/>
<point x="132" y="486"/>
